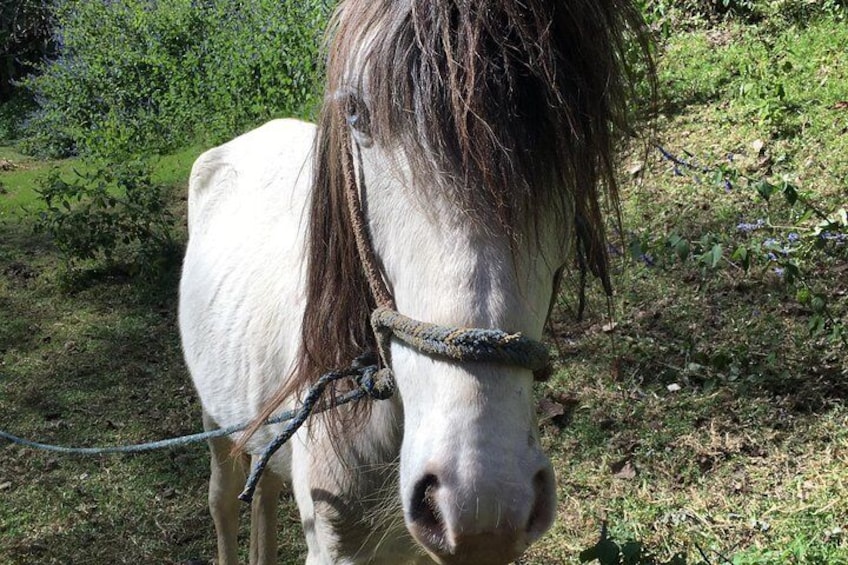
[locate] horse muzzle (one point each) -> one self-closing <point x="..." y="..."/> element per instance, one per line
<point x="487" y="521"/>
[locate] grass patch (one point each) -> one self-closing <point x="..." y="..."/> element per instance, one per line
<point x="94" y="359"/>
<point x="711" y="422"/>
<point x="20" y="176"/>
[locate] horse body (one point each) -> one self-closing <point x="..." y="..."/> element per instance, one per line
<point x="475" y="136"/>
<point x="241" y="294"/>
<point x="241" y="305"/>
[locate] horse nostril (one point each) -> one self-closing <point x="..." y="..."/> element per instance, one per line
<point x="424" y="510"/>
<point x="542" y="514"/>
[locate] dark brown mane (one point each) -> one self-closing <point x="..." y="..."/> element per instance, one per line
<point x="518" y="105"/>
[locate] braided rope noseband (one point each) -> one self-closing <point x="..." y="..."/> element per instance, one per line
<point x="461" y="344"/>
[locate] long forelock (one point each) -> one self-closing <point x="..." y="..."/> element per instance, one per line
<point x="512" y="109"/>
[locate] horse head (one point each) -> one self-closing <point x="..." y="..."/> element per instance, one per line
<point x="480" y="136"/>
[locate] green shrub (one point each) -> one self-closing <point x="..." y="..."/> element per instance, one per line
<point x="666" y="16"/>
<point x="112" y="213"/>
<point x="138" y="75"/>
<point x="260" y="63"/>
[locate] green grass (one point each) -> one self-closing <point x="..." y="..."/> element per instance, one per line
<point x="746" y="461"/>
<point x="93" y="358"/>
<point x="18" y="179"/>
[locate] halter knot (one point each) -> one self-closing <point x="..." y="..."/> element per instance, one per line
<point x="379" y="384"/>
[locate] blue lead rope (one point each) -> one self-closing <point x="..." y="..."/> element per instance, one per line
<point x="374" y="382"/>
<point x="362" y="374"/>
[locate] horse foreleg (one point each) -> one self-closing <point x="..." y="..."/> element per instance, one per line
<point x="225" y="482"/>
<point x="263" y="519"/>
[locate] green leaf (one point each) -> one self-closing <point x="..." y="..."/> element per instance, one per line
<point x="608" y="552"/>
<point x="765" y="189"/>
<point x="680" y="246"/>
<point x="791" y="272"/>
<point x="718" y="178"/>
<point x="816" y="325"/>
<point x="790" y="192"/>
<point x="631" y="552"/>
<point x="712" y="257"/>
<point x="635" y="248"/>
<point x="742" y="256"/>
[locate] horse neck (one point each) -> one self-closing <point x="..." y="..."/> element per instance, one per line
<point x="371" y="446"/>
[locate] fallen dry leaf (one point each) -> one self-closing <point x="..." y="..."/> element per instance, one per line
<point x="549" y="410"/>
<point x="623" y="469"/>
<point x="556" y="410"/>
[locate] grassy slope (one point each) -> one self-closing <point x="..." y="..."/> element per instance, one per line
<point x="749" y="458"/>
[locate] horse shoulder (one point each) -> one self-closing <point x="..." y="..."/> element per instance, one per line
<point x="270" y="156"/>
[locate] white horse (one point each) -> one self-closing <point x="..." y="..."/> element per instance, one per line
<point x="481" y="133"/>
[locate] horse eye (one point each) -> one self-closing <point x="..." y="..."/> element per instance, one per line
<point x="359" y="120"/>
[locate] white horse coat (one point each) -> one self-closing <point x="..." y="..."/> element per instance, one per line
<point x="241" y="305"/>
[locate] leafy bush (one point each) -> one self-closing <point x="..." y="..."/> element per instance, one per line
<point x="666" y="16"/>
<point x="261" y="62"/>
<point x="607" y="552"/>
<point x="139" y="75"/>
<point x="114" y="212"/>
<point x="136" y="77"/>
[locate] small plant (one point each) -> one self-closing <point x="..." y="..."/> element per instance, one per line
<point x="112" y="212"/>
<point x="763" y="89"/>
<point x="761" y="246"/>
<point x="607" y="552"/>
